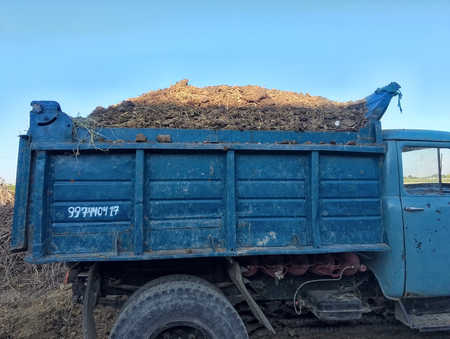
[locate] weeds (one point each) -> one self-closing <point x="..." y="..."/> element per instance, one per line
<point x="15" y="273"/>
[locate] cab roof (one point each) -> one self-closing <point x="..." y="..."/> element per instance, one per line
<point x="415" y="135"/>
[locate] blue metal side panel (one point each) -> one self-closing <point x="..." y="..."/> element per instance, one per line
<point x="19" y="230"/>
<point x="313" y="201"/>
<point x="184" y="206"/>
<point x="389" y="267"/>
<point x="163" y="203"/>
<point x="350" y="204"/>
<point x="230" y="202"/>
<point x="39" y="228"/>
<point x="271" y="199"/>
<point x="139" y="203"/>
<point x="92" y="198"/>
<point x="224" y="136"/>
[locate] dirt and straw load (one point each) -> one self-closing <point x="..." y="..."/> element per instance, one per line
<point x="232" y="108"/>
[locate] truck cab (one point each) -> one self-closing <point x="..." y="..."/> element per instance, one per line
<point x="416" y="213"/>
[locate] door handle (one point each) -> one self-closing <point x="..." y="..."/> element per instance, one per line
<point x="414" y="209"/>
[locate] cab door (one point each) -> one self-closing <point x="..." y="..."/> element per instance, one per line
<point x="425" y="197"/>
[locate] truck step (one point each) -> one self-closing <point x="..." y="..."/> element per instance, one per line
<point x="423" y="322"/>
<point x="430" y="322"/>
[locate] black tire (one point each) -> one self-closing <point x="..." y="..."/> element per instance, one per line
<point x="164" y="280"/>
<point x="89" y="302"/>
<point x="181" y="309"/>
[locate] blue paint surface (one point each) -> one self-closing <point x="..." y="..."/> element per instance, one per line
<point x="207" y="193"/>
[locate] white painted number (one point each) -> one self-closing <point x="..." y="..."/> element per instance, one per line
<point x="92" y="212"/>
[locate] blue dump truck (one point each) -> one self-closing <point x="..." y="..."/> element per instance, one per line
<point x="190" y="223"/>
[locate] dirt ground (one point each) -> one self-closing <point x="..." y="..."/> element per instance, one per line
<point x="53" y="316"/>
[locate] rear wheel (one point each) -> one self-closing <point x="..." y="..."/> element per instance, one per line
<point x="179" y="309"/>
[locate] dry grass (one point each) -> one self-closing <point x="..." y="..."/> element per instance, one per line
<point x="15" y="274"/>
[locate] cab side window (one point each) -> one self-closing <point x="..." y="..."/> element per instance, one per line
<point x="426" y="170"/>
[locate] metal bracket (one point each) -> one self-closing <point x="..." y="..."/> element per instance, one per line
<point x="234" y="272"/>
<point x="211" y="242"/>
<point x="296" y="241"/>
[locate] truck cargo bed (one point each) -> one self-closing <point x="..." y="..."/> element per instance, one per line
<point x="120" y="194"/>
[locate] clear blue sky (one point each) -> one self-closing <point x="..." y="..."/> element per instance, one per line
<point x="85" y="54"/>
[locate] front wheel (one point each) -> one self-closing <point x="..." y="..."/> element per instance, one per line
<point x="179" y="309"/>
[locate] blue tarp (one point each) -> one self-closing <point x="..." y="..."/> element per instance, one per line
<point x="378" y="102"/>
